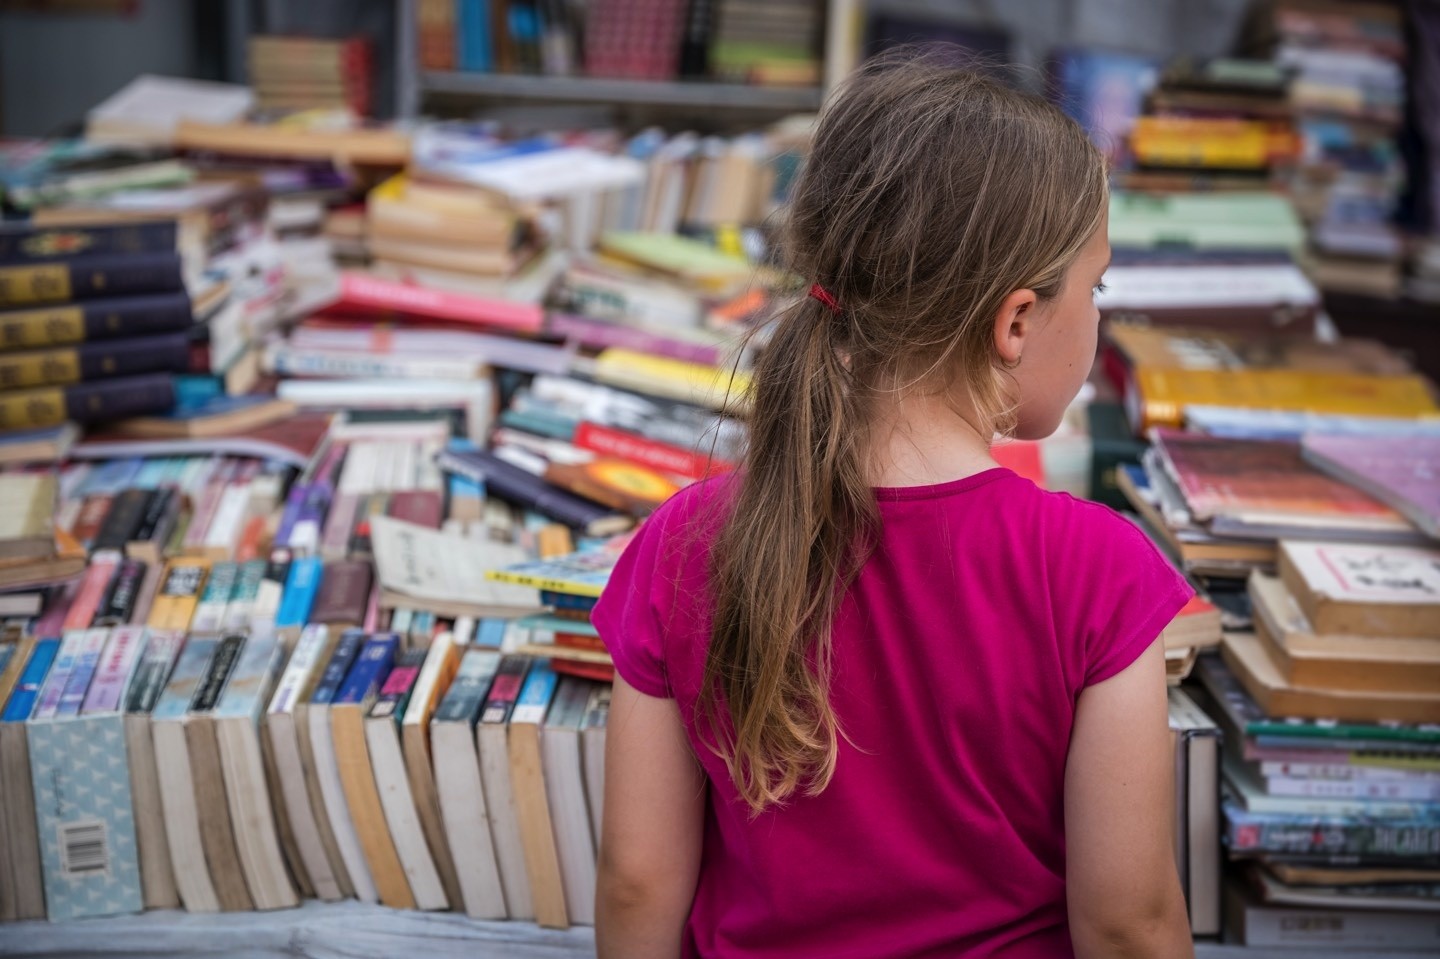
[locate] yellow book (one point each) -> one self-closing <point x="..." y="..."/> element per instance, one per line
<point x="179" y="594"/>
<point x="695" y="383"/>
<point x="1164" y="393"/>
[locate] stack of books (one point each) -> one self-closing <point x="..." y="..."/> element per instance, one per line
<point x="93" y="322"/>
<point x="1331" y="798"/>
<point x="311" y="73"/>
<point x="1348" y="95"/>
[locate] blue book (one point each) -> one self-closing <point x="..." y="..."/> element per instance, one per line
<point x="370" y="669"/>
<point x="536" y="694"/>
<point x="27" y="690"/>
<point x="349" y="646"/>
<point x="59" y="676"/>
<point x="472" y="36"/>
<point x="86" y="662"/>
<point x="301" y="587"/>
<point x="549" y="597"/>
<point x="491" y="633"/>
<point x="112" y="476"/>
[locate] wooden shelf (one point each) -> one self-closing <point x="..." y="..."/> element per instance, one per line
<point x="599" y="90"/>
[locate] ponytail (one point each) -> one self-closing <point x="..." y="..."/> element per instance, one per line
<point x="794" y="539"/>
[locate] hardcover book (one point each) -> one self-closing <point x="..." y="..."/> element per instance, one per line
<point x="20" y="243"/>
<point x="61" y="366"/>
<point x="87" y="402"/>
<point x="89" y="277"/>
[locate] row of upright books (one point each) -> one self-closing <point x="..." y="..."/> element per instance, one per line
<point x="771" y="44"/>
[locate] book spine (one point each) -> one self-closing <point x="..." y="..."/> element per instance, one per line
<point x="87" y="659"/>
<point x="1341" y="767"/>
<point x="536" y="694"/>
<point x="87" y="402"/>
<point x="272" y="588"/>
<point x="1399" y="839"/>
<point x="361" y="292"/>
<point x="88" y="277"/>
<point x="240" y="610"/>
<point x="370" y="669"/>
<point x="62" y="366"/>
<point x="1348" y="931"/>
<point x="125" y="590"/>
<point x="179" y="594"/>
<point x="162" y="649"/>
<point x="646" y="452"/>
<point x="1396" y="790"/>
<point x="564" y="600"/>
<point x="93" y="587"/>
<point x="347" y="649"/>
<point x="301" y="668"/>
<point x="511" y="482"/>
<point x="206" y="504"/>
<point x="50" y="243"/>
<point x="301" y="588"/>
<point x="222" y="663"/>
<point x="211" y="608"/>
<point x="123" y="519"/>
<point x="26" y="694"/>
<point x="117" y="665"/>
<point x="468" y="691"/>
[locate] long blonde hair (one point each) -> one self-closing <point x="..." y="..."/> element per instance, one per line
<point x="930" y="194"/>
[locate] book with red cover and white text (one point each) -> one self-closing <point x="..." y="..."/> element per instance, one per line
<point x="362" y="294"/>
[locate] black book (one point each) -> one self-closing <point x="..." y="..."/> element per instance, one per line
<point x="102" y="400"/>
<point x="510" y="482"/>
<point x="91" y="320"/>
<point x="64" y="365"/>
<point x="119" y="605"/>
<point x="127" y="512"/>
<point x="90" y="277"/>
<point x="696" y="41"/>
<point x="23" y="243"/>
<point x="226" y="655"/>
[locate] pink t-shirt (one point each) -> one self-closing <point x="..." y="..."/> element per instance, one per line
<point x="960" y="652"/>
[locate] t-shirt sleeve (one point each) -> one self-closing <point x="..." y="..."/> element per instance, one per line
<point x="627" y="616"/>
<point x="1127" y="592"/>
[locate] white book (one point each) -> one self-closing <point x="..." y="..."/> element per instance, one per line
<point x="562" y="767"/>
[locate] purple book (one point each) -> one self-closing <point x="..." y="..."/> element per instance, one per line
<point x="1402" y="472"/>
<point x="600" y="334"/>
<point x="87" y="660"/>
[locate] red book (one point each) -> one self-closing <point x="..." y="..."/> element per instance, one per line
<point x="367" y="295"/>
<point x="419" y="506"/>
<point x="663" y="457"/>
<point x="580" y="641"/>
<point x="598" y="671"/>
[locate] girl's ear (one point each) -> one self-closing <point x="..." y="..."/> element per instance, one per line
<point x="1014" y="322"/>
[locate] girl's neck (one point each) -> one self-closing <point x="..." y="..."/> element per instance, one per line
<point x="922" y="439"/>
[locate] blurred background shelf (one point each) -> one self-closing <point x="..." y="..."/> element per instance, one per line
<point x="600" y="90"/>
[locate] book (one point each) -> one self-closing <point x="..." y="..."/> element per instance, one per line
<point x="1364" y="591"/>
<point x="287" y="729"/>
<point x="347" y="720"/>
<point x="397" y="800"/>
<point x="513" y="483"/>
<point x="292" y="441"/>
<point x="1197" y="798"/>
<point x="86" y="402"/>
<point x="333" y="809"/>
<point x="1407" y="661"/>
<point x="89" y="277"/>
<point x="492" y="743"/>
<point x="1344" y="838"/>
<point x="95" y="321"/>
<point x="532" y="813"/>
<point x="592" y="745"/>
<point x="429" y="569"/>
<point x="459" y="793"/>
<point x="563" y="772"/>
<point x="217" y="828"/>
<point x="61" y="366"/>
<point x="27" y="529"/>
<point x="1264" y="682"/>
<point x="377" y="146"/>
<point x="157" y="876"/>
<point x="623" y="486"/>
<point x="83" y="805"/>
<point x="712" y="387"/>
<point x="179" y="595"/>
<point x="236" y="717"/>
<point x="214" y="417"/>
<point x="442" y="664"/>
<point x="583" y="573"/>
<point x="176" y="784"/>
<point x="1258" y="924"/>
<point x="344" y="590"/>
<point x="1264" y="489"/>
<point x="1400" y="472"/>
<point x="21" y="881"/>
<point x="361" y="294"/>
<point x="21" y="243"/>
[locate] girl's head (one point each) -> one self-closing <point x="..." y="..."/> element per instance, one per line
<point x="960" y="225"/>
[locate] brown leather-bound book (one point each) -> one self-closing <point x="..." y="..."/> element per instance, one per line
<point x="343" y="594"/>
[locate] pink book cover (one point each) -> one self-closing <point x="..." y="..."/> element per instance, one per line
<point x="601" y="334"/>
<point x="1229" y="476"/>
<point x="366" y="294"/>
<point x="117" y="665"/>
<point x="51" y="623"/>
<point x="92" y="590"/>
<point x="1403" y="471"/>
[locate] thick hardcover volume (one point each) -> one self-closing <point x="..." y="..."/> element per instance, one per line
<point x="89" y="277"/>
<point x="95" y="321"/>
<point x="95" y="361"/>
<point x="30" y="244"/>
<point x="513" y="483"/>
<point x="87" y="402"/>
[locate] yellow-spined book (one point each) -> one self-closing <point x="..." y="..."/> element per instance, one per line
<point x="179" y="594"/>
<point x="695" y="383"/>
<point x="1163" y="394"/>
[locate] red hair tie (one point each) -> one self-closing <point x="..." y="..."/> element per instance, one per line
<point x="825" y="296"/>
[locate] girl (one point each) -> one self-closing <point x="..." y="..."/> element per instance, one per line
<point x="877" y="696"/>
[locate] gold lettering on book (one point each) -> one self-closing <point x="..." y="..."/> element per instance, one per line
<point x="48" y="283"/>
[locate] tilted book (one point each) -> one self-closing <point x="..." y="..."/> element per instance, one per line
<point x="1403" y="472"/>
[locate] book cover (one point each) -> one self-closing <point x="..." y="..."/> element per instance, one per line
<point x="21" y="243"/>
<point x="32" y="678"/>
<point x="27" y="527"/>
<point x="211" y="608"/>
<point x="302" y="585"/>
<point x="428" y="568"/>
<point x="1364" y="590"/>
<point x="369" y="295"/>
<point x="62" y="366"/>
<point x="118" y="664"/>
<point x="1403" y="472"/>
<point x="127" y="511"/>
<point x="623" y="486"/>
<point x="174" y="607"/>
<point x="343" y="593"/>
<point x="584" y="573"/>
<point x="1221" y="476"/>
<point x="59" y="674"/>
<point x="241" y="608"/>
<point x="88" y="277"/>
